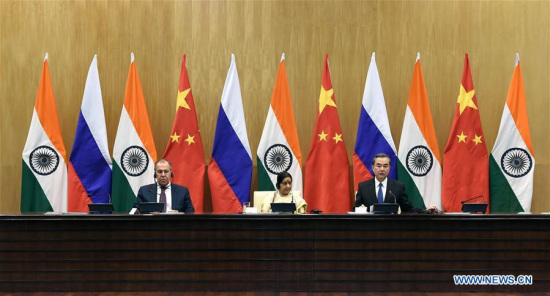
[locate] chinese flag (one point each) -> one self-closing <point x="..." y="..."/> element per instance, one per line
<point x="184" y="148"/>
<point x="465" y="161"/>
<point x="327" y="185"/>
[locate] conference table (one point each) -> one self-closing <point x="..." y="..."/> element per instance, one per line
<point x="272" y="252"/>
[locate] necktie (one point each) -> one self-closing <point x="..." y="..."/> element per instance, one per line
<point x="163" y="197"/>
<point x="380" y="194"/>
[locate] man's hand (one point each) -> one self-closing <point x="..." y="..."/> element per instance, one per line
<point x="432" y="210"/>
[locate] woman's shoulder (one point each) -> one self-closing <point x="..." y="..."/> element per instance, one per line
<point x="298" y="196"/>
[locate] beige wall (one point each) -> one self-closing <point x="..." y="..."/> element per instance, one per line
<point x="159" y="32"/>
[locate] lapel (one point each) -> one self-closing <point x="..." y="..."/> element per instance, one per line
<point x="174" y="192"/>
<point x="389" y="198"/>
<point x="371" y="192"/>
<point x="175" y="195"/>
<point x="152" y="192"/>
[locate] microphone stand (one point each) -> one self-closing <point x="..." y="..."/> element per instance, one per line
<point x="394" y="198"/>
<point x="474" y="207"/>
<point x="465" y="201"/>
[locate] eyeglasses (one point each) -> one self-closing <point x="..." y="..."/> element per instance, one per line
<point x="160" y="172"/>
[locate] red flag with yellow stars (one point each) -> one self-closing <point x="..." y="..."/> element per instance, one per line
<point x="465" y="161"/>
<point x="184" y="148"/>
<point x="327" y="183"/>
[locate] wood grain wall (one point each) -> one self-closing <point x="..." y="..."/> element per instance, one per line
<point x="160" y="32"/>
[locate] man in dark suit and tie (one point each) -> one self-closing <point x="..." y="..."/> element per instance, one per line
<point x="174" y="197"/>
<point x="382" y="189"/>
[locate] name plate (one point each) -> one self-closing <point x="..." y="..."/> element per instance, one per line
<point x="361" y="210"/>
<point x="251" y="210"/>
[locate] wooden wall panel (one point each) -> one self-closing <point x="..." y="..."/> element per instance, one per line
<point x="160" y="32"/>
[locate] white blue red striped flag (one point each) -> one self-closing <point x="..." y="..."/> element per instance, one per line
<point x="230" y="168"/>
<point x="90" y="165"/>
<point x="373" y="133"/>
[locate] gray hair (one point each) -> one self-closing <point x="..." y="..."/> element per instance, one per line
<point x="163" y="160"/>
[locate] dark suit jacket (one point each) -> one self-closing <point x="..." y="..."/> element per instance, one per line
<point x="181" y="200"/>
<point x="366" y="195"/>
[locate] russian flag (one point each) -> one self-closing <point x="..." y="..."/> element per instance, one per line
<point x="90" y="164"/>
<point x="373" y="133"/>
<point x="230" y="168"/>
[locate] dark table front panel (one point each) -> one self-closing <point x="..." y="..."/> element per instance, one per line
<point x="271" y="252"/>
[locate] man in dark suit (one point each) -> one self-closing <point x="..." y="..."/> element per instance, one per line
<point x="174" y="197"/>
<point x="382" y="189"/>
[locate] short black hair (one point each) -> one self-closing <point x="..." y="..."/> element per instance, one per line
<point x="380" y="155"/>
<point x="281" y="176"/>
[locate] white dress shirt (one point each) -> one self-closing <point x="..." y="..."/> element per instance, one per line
<point x="168" y="192"/>
<point x="384" y="187"/>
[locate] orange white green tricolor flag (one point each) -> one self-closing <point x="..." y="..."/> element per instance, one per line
<point x="134" y="153"/>
<point x="184" y="149"/>
<point x="326" y="185"/>
<point x="44" y="169"/>
<point x="466" y="163"/>
<point x="279" y="148"/>
<point x="419" y="165"/>
<point x="512" y="161"/>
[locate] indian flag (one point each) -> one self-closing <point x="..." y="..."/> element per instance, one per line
<point x="512" y="161"/>
<point x="279" y="148"/>
<point x="419" y="165"/>
<point x="134" y="153"/>
<point x="44" y="174"/>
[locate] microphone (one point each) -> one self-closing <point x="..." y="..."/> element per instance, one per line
<point x="394" y="198"/>
<point x="465" y="201"/>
